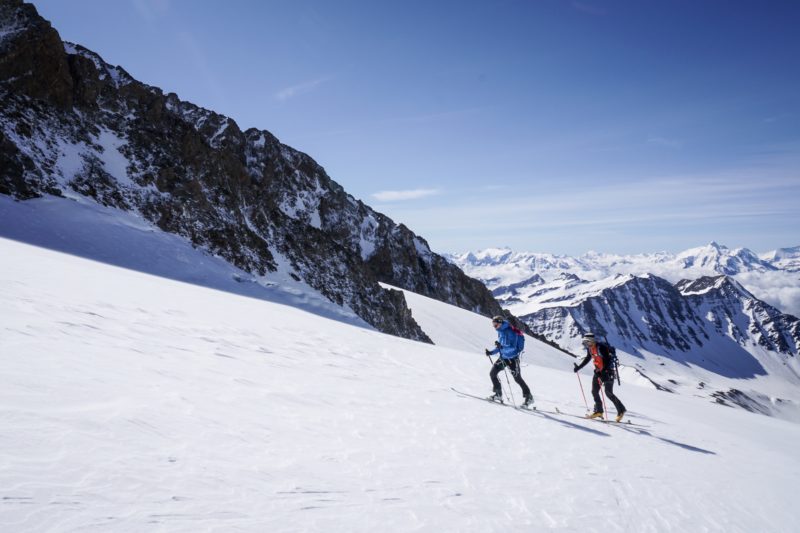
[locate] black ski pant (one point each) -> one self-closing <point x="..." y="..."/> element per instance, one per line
<point x="516" y="371"/>
<point x="608" y="385"/>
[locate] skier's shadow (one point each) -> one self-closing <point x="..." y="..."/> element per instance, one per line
<point x="566" y="423"/>
<point x="638" y="431"/>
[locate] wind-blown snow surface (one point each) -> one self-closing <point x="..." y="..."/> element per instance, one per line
<point x="135" y="403"/>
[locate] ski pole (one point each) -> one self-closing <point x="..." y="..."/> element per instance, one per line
<point x="603" y="395"/>
<point x="510" y="391"/>
<point x="580" y="386"/>
<point x="504" y="368"/>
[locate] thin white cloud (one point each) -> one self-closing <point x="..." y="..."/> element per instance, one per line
<point x="399" y="196"/>
<point x="776" y="288"/>
<point x="687" y="205"/>
<point x="300" y="88"/>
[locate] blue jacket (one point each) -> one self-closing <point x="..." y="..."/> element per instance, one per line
<point x="508" y="341"/>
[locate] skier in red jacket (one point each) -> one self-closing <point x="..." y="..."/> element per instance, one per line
<point x="603" y="373"/>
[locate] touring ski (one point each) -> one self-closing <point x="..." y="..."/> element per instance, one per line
<point x="485" y="399"/>
<point x="556" y="411"/>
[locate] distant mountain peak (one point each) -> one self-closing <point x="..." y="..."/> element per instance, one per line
<point x="783" y="258"/>
<point x="710" y="259"/>
<point x="706" y="283"/>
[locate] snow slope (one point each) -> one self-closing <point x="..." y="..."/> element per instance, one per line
<point x="131" y="402"/>
<point x="82" y="227"/>
<point x="748" y="376"/>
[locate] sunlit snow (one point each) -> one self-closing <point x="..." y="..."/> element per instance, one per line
<point x="131" y="402"/>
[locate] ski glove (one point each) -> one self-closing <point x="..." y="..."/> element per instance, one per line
<point x="497" y="343"/>
<point x="488" y="353"/>
<point x="575" y="366"/>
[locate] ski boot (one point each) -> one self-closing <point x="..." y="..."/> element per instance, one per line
<point x="620" y="415"/>
<point x="528" y="403"/>
<point x="496" y="397"/>
<point x="596" y="414"/>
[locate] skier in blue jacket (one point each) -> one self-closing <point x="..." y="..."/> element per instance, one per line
<point x="506" y="346"/>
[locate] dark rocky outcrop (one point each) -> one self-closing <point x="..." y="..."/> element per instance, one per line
<point x="70" y="124"/>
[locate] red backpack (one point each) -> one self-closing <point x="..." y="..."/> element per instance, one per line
<point x="520" y="339"/>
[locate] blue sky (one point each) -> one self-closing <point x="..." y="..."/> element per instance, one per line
<point x="544" y="125"/>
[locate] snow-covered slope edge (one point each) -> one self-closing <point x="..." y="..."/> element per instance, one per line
<point x="74" y="126"/>
<point x="130" y="402"/>
<point x="748" y="376"/>
<point x="82" y="227"/>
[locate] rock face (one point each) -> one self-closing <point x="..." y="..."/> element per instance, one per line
<point x="645" y="304"/>
<point x="712" y="323"/>
<point x="731" y="308"/>
<point x="70" y="124"/>
<point x="29" y="44"/>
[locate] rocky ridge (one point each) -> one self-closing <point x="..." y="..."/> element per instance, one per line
<point x="73" y="125"/>
<point x="711" y="323"/>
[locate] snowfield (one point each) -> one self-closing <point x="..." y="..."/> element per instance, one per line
<point x="131" y="402"/>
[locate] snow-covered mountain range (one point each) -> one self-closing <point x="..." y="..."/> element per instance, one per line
<point x="522" y="278"/>
<point x="682" y="319"/>
<point x="500" y="267"/>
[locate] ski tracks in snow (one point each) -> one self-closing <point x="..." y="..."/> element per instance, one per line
<point x="132" y="403"/>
